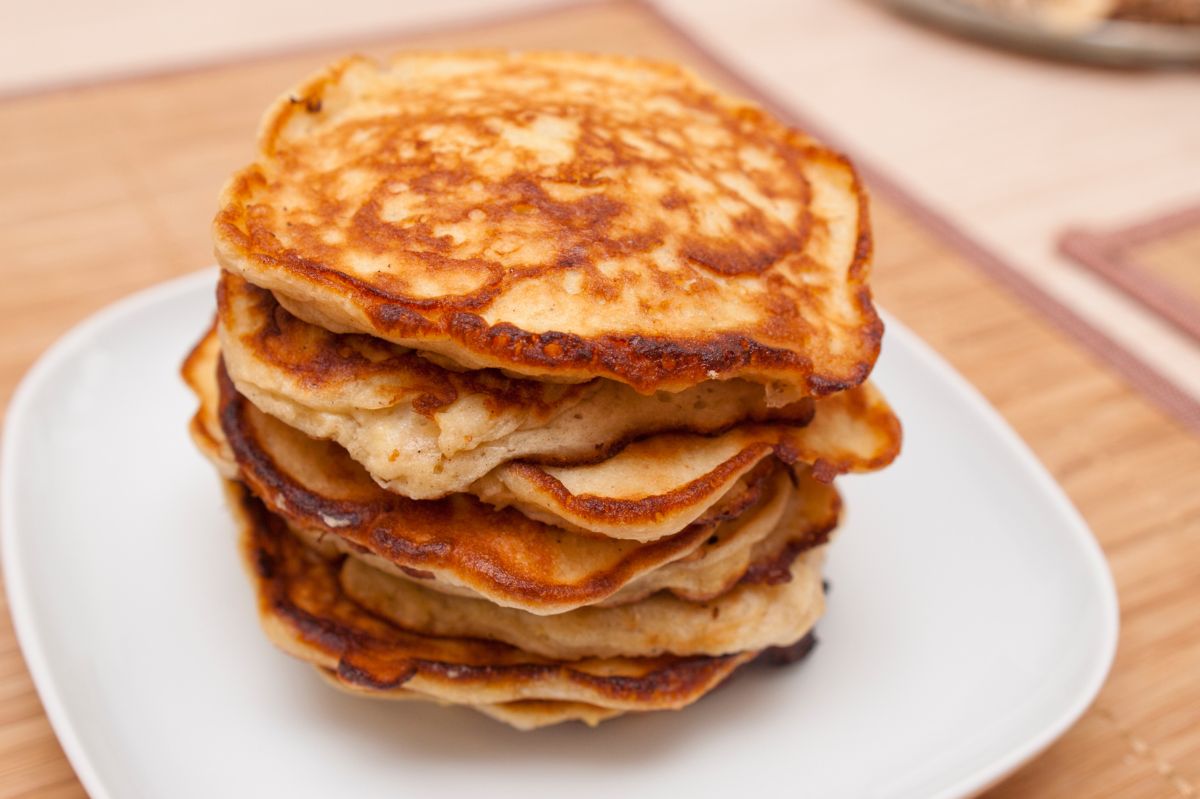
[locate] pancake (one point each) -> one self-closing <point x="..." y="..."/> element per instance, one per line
<point x="425" y="431"/>
<point x="752" y="616"/>
<point x="559" y="216"/>
<point x="462" y="546"/>
<point x="199" y="373"/>
<point x="529" y="714"/>
<point x="304" y="612"/>
<point x="767" y="537"/>
<point x="658" y="485"/>
<point x="655" y="487"/>
<point x="734" y="553"/>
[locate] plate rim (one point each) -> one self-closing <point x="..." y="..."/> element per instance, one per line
<point x="29" y="636"/>
<point x="1097" y="568"/>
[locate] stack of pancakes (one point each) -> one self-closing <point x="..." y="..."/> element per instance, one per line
<point x="530" y="376"/>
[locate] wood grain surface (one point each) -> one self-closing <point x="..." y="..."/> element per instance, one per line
<point x="110" y="188"/>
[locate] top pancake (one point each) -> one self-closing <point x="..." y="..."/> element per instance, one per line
<point x="561" y="216"/>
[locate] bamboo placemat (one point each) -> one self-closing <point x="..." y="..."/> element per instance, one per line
<point x="110" y="188"/>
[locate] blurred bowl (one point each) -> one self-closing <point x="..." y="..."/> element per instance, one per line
<point x="1111" y="43"/>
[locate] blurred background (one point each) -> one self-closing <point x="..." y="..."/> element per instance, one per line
<point x="1035" y="173"/>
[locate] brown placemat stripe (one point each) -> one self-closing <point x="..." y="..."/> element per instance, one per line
<point x="1156" y="262"/>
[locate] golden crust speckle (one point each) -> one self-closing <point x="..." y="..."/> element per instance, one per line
<point x="561" y="216"/>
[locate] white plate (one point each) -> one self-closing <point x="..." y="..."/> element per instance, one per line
<point x="971" y="618"/>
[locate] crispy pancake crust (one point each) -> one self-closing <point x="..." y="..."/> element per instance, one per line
<point x="461" y="546"/>
<point x="655" y="487"/>
<point x="531" y="714"/>
<point x="527" y="714"/>
<point x="460" y="543"/>
<point x="197" y="372"/>
<point x="563" y="216"/>
<point x="731" y="556"/>
<point x="304" y="612"/>
<point x="752" y="616"/>
<point x="659" y="484"/>
<point x="425" y="431"/>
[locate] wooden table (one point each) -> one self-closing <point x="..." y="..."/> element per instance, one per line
<point x="109" y="188"/>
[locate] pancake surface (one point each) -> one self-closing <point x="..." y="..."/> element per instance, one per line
<point x="304" y="611"/>
<point x="661" y="483"/>
<point x="527" y="714"/>
<point x="560" y="216"/>
<point x="650" y="488"/>
<point x="425" y="431"/>
<point x="462" y="546"/>
<point x="752" y="616"/>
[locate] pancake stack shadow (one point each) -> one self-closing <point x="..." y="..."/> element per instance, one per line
<point x="530" y="377"/>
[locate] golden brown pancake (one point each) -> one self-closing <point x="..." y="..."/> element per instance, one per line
<point x="561" y="216"/>
<point x="199" y="373"/>
<point x="735" y="553"/>
<point x="460" y="545"/>
<point x="425" y="431"/>
<point x="305" y="613"/>
<point x="528" y="714"/>
<point x="531" y="714"/>
<point x="754" y="615"/>
<point x="657" y="486"/>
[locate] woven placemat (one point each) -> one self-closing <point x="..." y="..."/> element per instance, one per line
<point x="110" y="187"/>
